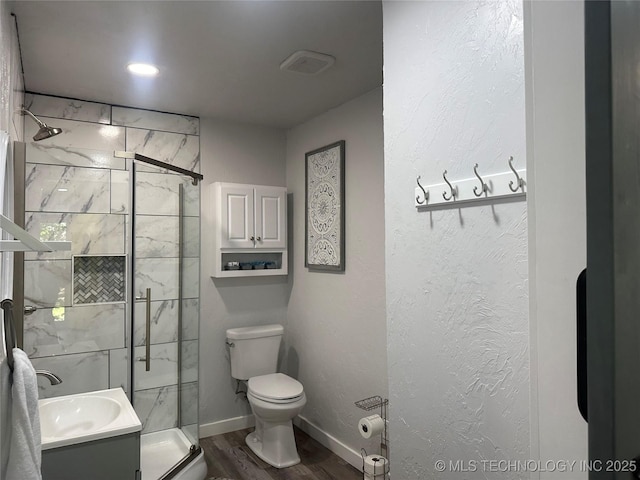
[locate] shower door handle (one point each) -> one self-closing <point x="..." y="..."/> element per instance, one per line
<point x="147" y="358"/>
<point x="148" y="345"/>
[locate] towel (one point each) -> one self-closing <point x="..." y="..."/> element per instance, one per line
<point x="5" y="416"/>
<point x="25" y="455"/>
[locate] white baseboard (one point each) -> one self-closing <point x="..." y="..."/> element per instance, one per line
<point x="226" y="426"/>
<point x="332" y="443"/>
<point x="329" y="441"/>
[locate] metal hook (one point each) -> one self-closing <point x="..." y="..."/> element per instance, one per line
<point x="518" y="179"/>
<point x="426" y="194"/>
<point x="484" y="187"/>
<point x="454" y="190"/>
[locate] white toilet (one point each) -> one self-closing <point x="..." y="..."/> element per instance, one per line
<point x="275" y="398"/>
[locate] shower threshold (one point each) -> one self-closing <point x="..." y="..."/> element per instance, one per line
<point x="160" y="451"/>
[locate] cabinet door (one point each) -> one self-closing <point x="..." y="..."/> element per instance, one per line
<point x="236" y="216"/>
<point x="271" y="217"/>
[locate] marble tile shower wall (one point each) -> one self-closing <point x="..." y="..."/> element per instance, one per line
<point x="77" y="190"/>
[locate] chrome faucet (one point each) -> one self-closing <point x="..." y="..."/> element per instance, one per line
<point x="52" y="377"/>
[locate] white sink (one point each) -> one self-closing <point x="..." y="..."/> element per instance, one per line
<point x="76" y="416"/>
<point x="86" y="417"/>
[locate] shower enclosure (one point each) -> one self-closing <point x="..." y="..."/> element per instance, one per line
<point x="122" y="308"/>
<point x="164" y="255"/>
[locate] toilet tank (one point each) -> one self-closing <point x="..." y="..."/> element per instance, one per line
<point x="254" y="350"/>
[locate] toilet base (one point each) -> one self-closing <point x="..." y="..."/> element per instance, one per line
<point x="274" y="443"/>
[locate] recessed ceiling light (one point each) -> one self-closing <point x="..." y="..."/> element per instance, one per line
<point x="143" y="69"/>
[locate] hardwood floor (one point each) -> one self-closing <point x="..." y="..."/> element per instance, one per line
<point x="228" y="457"/>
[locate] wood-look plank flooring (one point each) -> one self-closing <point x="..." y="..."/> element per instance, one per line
<point x="228" y="457"/>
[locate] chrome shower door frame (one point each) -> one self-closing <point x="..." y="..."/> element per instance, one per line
<point x="133" y="161"/>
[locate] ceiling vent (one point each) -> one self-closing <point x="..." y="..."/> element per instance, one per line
<point x="307" y="63"/>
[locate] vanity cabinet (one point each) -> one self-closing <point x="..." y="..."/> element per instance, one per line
<point x="250" y="230"/>
<point x="106" y="459"/>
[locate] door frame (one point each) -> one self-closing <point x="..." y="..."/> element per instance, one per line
<point x="612" y="71"/>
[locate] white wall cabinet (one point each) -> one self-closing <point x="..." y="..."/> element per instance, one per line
<point x="251" y="229"/>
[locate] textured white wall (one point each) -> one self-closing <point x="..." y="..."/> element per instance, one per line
<point x="336" y="321"/>
<point x="554" y="37"/>
<point x="232" y="152"/>
<point x="457" y="289"/>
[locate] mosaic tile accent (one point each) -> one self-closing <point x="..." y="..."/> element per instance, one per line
<point x="99" y="279"/>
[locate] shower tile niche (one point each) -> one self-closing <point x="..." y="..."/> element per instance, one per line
<point x="99" y="279"/>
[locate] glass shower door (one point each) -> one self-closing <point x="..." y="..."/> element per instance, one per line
<point x="189" y="324"/>
<point x="165" y="230"/>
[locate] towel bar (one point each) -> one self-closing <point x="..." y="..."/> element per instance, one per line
<point x="9" y="330"/>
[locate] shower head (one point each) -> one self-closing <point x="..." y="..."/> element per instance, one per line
<point x="45" y="130"/>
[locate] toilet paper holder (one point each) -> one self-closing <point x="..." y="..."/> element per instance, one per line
<point x="371" y="403"/>
<point x="374" y="467"/>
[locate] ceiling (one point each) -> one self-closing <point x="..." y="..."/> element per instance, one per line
<point x="217" y="58"/>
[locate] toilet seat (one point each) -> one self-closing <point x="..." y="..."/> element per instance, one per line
<point x="275" y="388"/>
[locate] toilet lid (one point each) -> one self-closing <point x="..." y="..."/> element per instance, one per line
<point x="275" y="386"/>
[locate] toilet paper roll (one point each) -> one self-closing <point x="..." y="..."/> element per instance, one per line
<point x="375" y="465"/>
<point x="371" y="425"/>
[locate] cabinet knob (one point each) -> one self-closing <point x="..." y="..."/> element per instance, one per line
<point x="259" y="238"/>
<point x="252" y="238"/>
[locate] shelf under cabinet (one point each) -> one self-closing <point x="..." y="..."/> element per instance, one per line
<point x="247" y="256"/>
<point x="251" y="273"/>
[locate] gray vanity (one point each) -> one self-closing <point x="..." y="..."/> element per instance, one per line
<point x="93" y="435"/>
<point x="106" y="459"/>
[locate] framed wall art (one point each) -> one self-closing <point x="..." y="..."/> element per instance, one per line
<point x="324" y="208"/>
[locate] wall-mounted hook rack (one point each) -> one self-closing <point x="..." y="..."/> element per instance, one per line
<point x="484" y="188"/>
<point x="519" y="181"/>
<point x="425" y="194"/>
<point x="457" y="192"/>
<point x="452" y="189"/>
